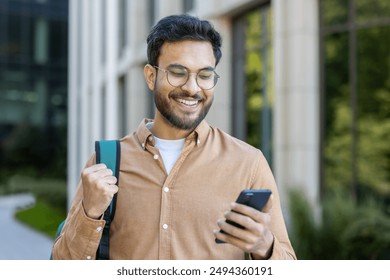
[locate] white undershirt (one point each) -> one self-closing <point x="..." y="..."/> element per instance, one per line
<point x="170" y="151"/>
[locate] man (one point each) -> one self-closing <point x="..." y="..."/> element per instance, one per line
<point x="179" y="176"/>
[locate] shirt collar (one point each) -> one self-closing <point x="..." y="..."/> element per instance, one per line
<point x="145" y="136"/>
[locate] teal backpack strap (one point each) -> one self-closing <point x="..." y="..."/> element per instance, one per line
<point x="59" y="229"/>
<point x="109" y="153"/>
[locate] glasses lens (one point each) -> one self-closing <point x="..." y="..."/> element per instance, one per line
<point x="206" y="79"/>
<point x="177" y="77"/>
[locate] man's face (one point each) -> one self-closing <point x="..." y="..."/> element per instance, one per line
<point x="183" y="107"/>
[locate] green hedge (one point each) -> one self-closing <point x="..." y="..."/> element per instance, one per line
<point x="52" y="191"/>
<point x="51" y="200"/>
<point x="42" y="217"/>
<point x="347" y="230"/>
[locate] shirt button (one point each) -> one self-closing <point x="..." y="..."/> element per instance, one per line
<point x="99" y="229"/>
<point x="88" y="257"/>
<point x="155" y="156"/>
<point x="166" y="189"/>
<point x="165" y="226"/>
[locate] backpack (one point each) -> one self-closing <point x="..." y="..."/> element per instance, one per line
<point x="109" y="153"/>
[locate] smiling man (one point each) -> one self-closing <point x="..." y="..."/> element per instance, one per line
<point x="179" y="176"/>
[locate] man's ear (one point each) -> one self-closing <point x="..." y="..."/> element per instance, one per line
<point x="150" y="76"/>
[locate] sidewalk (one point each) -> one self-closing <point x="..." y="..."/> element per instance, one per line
<point x="17" y="241"/>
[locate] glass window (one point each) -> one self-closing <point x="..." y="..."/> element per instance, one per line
<point x="367" y="10"/>
<point x="33" y="88"/>
<point x="188" y="5"/>
<point x="334" y="12"/>
<point x="103" y="112"/>
<point x="41" y="41"/>
<point x="152" y="12"/>
<point x="103" y="29"/>
<point x="373" y="109"/>
<point x="122" y="106"/>
<point x="123" y="30"/>
<point x="356" y="93"/>
<point x="252" y="82"/>
<point x="338" y="132"/>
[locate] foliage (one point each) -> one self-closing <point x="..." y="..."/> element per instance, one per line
<point x="356" y="98"/>
<point x="51" y="200"/>
<point x="34" y="151"/>
<point x="347" y="230"/>
<point x="42" y="217"/>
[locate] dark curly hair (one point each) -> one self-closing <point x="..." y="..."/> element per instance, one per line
<point x="178" y="28"/>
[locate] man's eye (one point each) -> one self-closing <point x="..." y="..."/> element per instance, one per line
<point x="205" y="75"/>
<point x="177" y="73"/>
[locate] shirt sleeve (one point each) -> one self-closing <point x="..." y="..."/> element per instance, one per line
<point x="80" y="236"/>
<point x="264" y="179"/>
<point x="282" y="251"/>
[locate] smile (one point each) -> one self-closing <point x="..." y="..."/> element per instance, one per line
<point x="188" y="102"/>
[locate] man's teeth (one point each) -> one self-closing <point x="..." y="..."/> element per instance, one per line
<point x="188" y="102"/>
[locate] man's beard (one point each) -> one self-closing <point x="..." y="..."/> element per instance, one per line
<point x="185" y="122"/>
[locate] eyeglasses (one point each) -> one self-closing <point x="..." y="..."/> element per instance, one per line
<point x="178" y="76"/>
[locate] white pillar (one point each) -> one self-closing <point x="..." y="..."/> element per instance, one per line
<point x="84" y="87"/>
<point x="296" y="112"/>
<point x="73" y="113"/>
<point x="111" y="106"/>
<point x="96" y="72"/>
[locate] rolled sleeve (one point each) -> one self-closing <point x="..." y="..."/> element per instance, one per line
<point x="281" y="251"/>
<point x="80" y="237"/>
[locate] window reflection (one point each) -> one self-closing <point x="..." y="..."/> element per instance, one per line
<point x="253" y="88"/>
<point x="357" y="97"/>
<point x="33" y="88"/>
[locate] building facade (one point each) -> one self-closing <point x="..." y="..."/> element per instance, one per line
<point x="33" y="88"/>
<point x="274" y="72"/>
<point x="108" y="96"/>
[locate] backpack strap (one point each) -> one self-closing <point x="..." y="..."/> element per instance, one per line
<point x="109" y="153"/>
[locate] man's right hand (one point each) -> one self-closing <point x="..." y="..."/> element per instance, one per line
<point x="98" y="189"/>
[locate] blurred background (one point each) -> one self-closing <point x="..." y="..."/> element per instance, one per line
<point x="306" y="81"/>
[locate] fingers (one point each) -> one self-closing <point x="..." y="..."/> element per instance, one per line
<point x="100" y="169"/>
<point x="253" y="213"/>
<point x="255" y="226"/>
<point x="98" y="189"/>
<point x="248" y="229"/>
<point x="98" y="174"/>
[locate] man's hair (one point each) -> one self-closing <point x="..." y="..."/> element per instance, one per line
<point x="179" y="28"/>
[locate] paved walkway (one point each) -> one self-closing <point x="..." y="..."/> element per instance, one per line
<point x="17" y="241"/>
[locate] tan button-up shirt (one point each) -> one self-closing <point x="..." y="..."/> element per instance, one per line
<point x="160" y="216"/>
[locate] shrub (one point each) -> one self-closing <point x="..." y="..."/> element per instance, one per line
<point x="347" y="230"/>
<point x="51" y="191"/>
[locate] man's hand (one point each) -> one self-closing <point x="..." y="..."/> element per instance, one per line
<point x="98" y="189"/>
<point x="256" y="237"/>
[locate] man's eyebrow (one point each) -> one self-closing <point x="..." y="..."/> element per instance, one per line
<point x="179" y="66"/>
<point x="209" y="68"/>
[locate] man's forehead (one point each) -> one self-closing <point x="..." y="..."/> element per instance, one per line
<point x="187" y="51"/>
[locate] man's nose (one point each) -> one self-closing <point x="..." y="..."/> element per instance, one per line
<point x="191" y="85"/>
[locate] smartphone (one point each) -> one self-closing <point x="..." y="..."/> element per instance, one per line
<point x="253" y="198"/>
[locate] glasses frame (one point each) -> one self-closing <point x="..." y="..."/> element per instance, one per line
<point x="166" y="71"/>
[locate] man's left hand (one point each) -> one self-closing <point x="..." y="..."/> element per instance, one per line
<point x="255" y="238"/>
